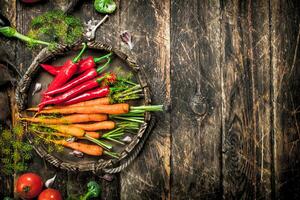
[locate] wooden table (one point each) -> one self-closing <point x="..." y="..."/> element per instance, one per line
<point x="228" y="74"/>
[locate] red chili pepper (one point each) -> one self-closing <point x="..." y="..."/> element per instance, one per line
<point x="69" y="69"/>
<point x="97" y="93"/>
<point x="54" y="70"/>
<point x="88" y="75"/>
<point x="84" y="64"/>
<point x="91" y="84"/>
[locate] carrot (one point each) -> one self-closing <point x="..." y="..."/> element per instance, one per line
<point x="89" y="149"/>
<point x="70" y="130"/>
<point x="94" y="135"/>
<point x="105" y="125"/>
<point x="121" y="108"/>
<point x="76" y="118"/>
<point x="94" y="102"/>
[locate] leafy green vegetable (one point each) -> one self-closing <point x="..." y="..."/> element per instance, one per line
<point x="105" y="6"/>
<point x="14" y="152"/>
<point x="56" y="27"/>
<point x="94" y="190"/>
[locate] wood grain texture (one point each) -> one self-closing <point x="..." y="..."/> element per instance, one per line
<point x="148" y="177"/>
<point x="246" y="100"/>
<point x="8" y="9"/>
<point x="286" y="97"/>
<point x="196" y="100"/>
<point x="228" y="74"/>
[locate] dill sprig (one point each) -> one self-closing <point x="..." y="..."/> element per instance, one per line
<point x="46" y="135"/>
<point x="14" y="152"/>
<point x="55" y="27"/>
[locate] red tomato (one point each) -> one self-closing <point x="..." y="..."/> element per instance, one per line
<point x="50" y="194"/>
<point x="29" y="185"/>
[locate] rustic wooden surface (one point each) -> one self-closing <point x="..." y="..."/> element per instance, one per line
<point x="227" y="72"/>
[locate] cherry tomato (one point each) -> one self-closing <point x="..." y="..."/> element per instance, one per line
<point x="50" y="194"/>
<point x="29" y="185"/>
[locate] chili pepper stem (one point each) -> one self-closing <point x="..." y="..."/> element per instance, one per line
<point x="102" y="68"/>
<point x="75" y="60"/>
<point x="99" y="80"/>
<point x="96" y="60"/>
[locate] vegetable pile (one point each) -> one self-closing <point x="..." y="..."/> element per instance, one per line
<point x="86" y="109"/>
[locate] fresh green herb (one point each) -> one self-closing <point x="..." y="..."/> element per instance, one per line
<point x="14" y="152"/>
<point x="56" y="27"/>
<point x="105" y="6"/>
<point x="46" y="135"/>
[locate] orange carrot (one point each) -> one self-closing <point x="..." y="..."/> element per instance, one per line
<point x="70" y="130"/>
<point x="76" y="118"/>
<point x="94" y="135"/>
<point x="89" y="149"/>
<point x="94" y="102"/>
<point x="121" y="108"/>
<point x="105" y="125"/>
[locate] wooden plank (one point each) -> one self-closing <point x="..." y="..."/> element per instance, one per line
<point x="148" y="177"/>
<point x="285" y="38"/>
<point x="196" y="100"/>
<point x="8" y="9"/>
<point x="246" y="100"/>
<point x="107" y="34"/>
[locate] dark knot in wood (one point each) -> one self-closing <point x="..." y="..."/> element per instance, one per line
<point x="199" y="104"/>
